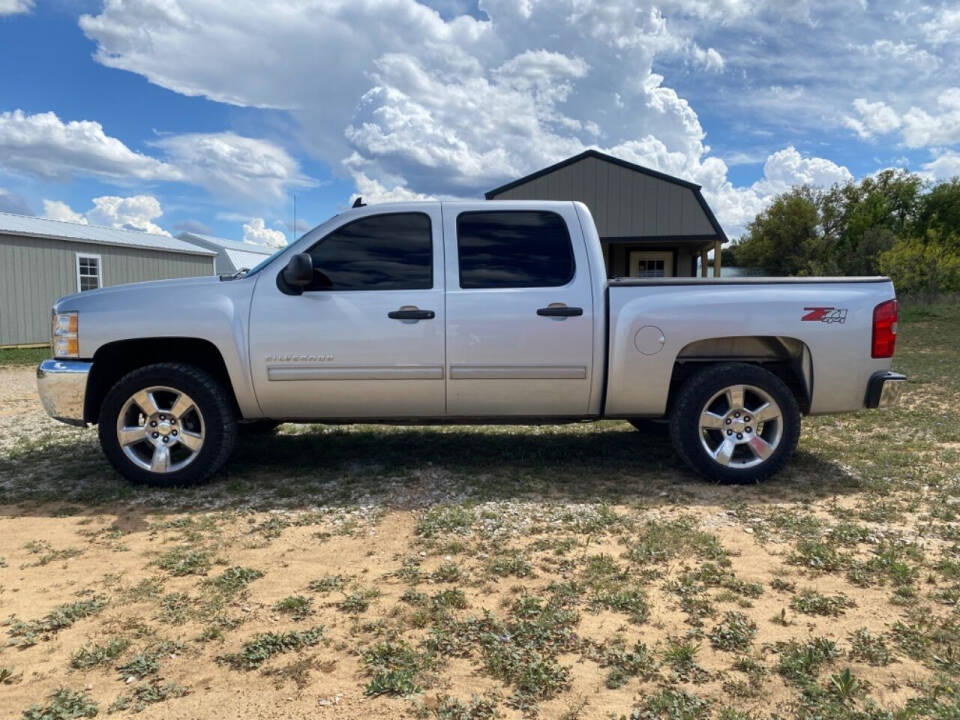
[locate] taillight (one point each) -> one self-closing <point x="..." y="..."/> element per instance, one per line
<point x="884" y="329"/>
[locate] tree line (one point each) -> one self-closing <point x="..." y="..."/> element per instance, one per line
<point x="893" y="223"/>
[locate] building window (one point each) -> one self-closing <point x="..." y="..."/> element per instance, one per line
<point x="89" y="275"/>
<point x="513" y="249"/>
<point x="392" y="251"/>
<point x="651" y="264"/>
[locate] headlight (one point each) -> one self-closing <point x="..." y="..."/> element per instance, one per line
<point x="63" y="335"/>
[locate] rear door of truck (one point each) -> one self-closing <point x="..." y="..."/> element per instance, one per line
<point x="519" y="311"/>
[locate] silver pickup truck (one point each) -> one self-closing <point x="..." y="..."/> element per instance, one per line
<point x="463" y="312"/>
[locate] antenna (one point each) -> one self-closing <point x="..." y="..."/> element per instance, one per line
<point x="293" y="233"/>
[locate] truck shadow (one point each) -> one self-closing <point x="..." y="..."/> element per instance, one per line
<point x="409" y="468"/>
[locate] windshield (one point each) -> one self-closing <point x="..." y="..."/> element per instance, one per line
<point x="319" y="230"/>
<point x="263" y="263"/>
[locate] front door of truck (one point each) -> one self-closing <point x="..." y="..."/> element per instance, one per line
<point x="520" y="314"/>
<point x="365" y="339"/>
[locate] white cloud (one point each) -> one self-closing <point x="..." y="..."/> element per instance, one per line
<point x="919" y="127"/>
<point x="15" y="7"/>
<point x="57" y="210"/>
<point x="876" y="118"/>
<point x="229" y="165"/>
<point x="410" y="104"/>
<point x="786" y="168"/>
<point x="136" y="212"/>
<point x="257" y="232"/>
<point x="944" y="27"/>
<point x="132" y="213"/>
<point x="44" y="145"/>
<point x="944" y="167"/>
<point x="226" y="164"/>
<point x="922" y="129"/>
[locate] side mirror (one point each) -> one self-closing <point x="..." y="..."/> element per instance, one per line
<point x="296" y="275"/>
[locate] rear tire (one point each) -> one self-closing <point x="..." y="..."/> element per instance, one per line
<point x="167" y="425"/>
<point x="735" y="423"/>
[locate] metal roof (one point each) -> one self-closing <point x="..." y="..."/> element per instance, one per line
<point x="28" y="226"/>
<point x="212" y="240"/>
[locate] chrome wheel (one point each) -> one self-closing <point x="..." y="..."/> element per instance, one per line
<point x="160" y="429"/>
<point x="741" y="426"/>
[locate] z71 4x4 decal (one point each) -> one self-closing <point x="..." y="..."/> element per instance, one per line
<point x="825" y="314"/>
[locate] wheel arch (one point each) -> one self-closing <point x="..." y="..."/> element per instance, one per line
<point x="114" y="360"/>
<point x="786" y="357"/>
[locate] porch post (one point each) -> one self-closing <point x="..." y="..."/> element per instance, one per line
<point x="703" y="263"/>
<point x="716" y="259"/>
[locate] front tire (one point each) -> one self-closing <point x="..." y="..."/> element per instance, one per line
<point x="168" y="424"/>
<point x="735" y="423"/>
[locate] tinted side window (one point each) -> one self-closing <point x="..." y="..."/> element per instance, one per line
<point x="513" y="249"/>
<point x="380" y="252"/>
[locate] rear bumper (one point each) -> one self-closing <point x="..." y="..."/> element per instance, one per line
<point x="63" y="388"/>
<point x="884" y="389"/>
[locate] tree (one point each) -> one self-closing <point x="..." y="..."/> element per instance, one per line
<point x="862" y="220"/>
<point x="784" y="238"/>
<point x="939" y="210"/>
<point x="924" y="267"/>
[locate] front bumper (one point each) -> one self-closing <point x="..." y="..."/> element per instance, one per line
<point x="884" y="389"/>
<point x="63" y="388"/>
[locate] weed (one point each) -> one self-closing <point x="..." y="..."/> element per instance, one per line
<point x="446" y="572"/>
<point x="810" y="602"/>
<point x="63" y="704"/>
<point x="183" y="561"/>
<point x="47" y="553"/>
<point x="328" y="583"/>
<point x="9" y="675"/>
<point x="869" y="648"/>
<point x="801" y="661"/>
<point x="175" y="608"/>
<point x="659" y="541"/>
<point x="359" y="601"/>
<point x="393" y="668"/>
<point x="297" y="606"/>
<point x="234" y="579"/>
<point x="480" y="707"/>
<point x="818" y="555"/>
<point x="734" y="633"/>
<point x="782" y="585"/>
<point x="25" y="634"/>
<point x="147" y="662"/>
<point x="631" y="600"/>
<point x="298" y="671"/>
<point x="681" y="656"/>
<point x="624" y="664"/>
<point x="147" y="694"/>
<point x="510" y="564"/>
<point x="670" y="704"/>
<point x="91" y="656"/>
<point x="445" y="519"/>
<point x="263" y="646"/>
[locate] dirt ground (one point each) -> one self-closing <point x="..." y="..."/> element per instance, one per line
<point x="562" y="572"/>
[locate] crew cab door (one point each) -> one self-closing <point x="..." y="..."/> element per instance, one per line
<point x="365" y="339"/>
<point x="520" y="312"/>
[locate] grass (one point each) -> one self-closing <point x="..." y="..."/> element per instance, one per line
<point x="12" y="357"/>
<point x="568" y="571"/>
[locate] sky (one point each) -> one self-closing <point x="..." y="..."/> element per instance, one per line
<point x="212" y="115"/>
